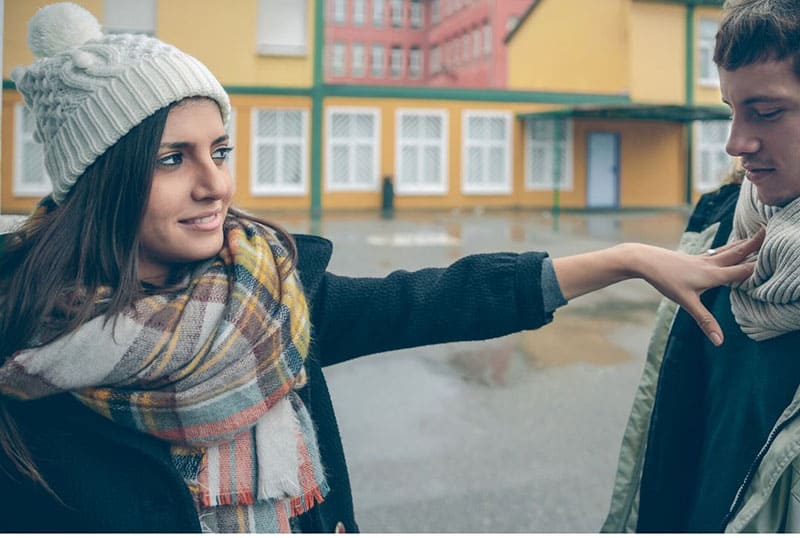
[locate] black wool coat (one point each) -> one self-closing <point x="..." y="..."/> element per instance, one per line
<point x="112" y="479"/>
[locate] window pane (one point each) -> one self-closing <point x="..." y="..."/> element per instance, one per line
<point x="364" y="125"/>
<point x="409" y="166"/>
<point x="340" y="165"/>
<point x="497" y="166"/>
<point x="497" y="128"/>
<point x="474" y="166"/>
<point x="292" y="123"/>
<point x="267" y="123"/>
<point x="409" y="126"/>
<point x="267" y="164"/>
<point x="292" y="165"/>
<point x="364" y="164"/>
<point x="432" y="127"/>
<point x="476" y="128"/>
<point x="341" y="126"/>
<point x="432" y="168"/>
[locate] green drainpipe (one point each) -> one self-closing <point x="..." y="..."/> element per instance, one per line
<point x="689" y="78"/>
<point x="558" y="135"/>
<point x="317" y="95"/>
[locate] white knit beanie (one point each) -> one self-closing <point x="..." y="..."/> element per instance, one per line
<point x="87" y="90"/>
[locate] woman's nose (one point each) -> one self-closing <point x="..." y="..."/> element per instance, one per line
<point x="213" y="181"/>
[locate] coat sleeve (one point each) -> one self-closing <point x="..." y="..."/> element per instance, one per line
<point x="477" y="297"/>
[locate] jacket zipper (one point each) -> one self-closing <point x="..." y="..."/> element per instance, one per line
<point x="753" y="467"/>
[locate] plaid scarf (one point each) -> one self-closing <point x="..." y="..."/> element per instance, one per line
<point x="213" y="368"/>
<point x="767" y="304"/>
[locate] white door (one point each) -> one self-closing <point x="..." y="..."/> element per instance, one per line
<point x="602" y="181"/>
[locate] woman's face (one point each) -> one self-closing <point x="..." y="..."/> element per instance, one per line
<point x="190" y="193"/>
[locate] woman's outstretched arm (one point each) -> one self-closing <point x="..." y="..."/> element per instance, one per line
<point x="678" y="276"/>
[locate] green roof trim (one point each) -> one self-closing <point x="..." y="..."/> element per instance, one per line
<point x="521" y="20"/>
<point x="694" y="3"/>
<point x="427" y="93"/>
<point x="472" y="94"/>
<point x="636" y="111"/>
<point x="267" y="90"/>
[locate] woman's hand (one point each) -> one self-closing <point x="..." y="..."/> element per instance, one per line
<point x="678" y="276"/>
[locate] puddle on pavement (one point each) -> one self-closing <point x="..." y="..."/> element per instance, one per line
<point x="580" y="333"/>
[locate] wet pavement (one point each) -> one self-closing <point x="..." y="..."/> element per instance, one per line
<point x="517" y="434"/>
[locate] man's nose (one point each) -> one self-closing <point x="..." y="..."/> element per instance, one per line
<point x="741" y="140"/>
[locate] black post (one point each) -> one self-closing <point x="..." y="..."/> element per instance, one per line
<point x="387" y="198"/>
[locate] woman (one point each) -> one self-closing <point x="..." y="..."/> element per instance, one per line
<point x="162" y="351"/>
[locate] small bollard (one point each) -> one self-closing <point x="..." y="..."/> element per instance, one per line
<point x="387" y="198"/>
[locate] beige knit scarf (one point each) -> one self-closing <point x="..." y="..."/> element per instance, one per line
<point x="767" y="304"/>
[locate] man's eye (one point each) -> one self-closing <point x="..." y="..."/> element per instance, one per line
<point x="768" y="114"/>
<point x="222" y="154"/>
<point x="172" y="159"/>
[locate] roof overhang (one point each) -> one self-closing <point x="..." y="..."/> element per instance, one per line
<point x="673" y="113"/>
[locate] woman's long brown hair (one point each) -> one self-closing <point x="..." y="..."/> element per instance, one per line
<point x="54" y="263"/>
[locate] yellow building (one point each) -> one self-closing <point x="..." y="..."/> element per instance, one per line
<point x="666" y="145"/>
<point x="596" y="112"/>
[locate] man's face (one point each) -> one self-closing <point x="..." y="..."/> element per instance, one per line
<point x="765" y="132"/>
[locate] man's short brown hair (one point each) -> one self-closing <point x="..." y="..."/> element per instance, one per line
<point x="756" y="31"/>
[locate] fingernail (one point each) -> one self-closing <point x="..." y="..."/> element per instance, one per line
<point x="716" y="339"/>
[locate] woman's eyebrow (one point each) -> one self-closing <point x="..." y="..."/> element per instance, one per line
<point x="179" y="145"/>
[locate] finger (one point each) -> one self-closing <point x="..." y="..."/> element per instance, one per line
<point x="737" y="273"/>
<point x="739" y="250"/>
<point x="705" y="320"/>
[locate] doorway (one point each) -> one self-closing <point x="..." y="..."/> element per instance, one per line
<point x="602" y="170"/>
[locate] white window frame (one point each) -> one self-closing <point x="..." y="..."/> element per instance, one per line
<point x="566" y="182"/>
<point x="476" y="43"/>
<point x="21" y="185"/>
<point x="359" y="12"/>
<point x="377" y="68"/>
<point x="282" y="28"/>
<point x="231" y="130"/>
<point x="338" y="58"/>
<point x="357" y="60"/>
<point x="397" y="56"/>
<point x="415" y="62"/>
<point x="126" y="17"/>
<point x="713" y="149"/>
<point x="436" y="59"/>
<point x="487" y="187"/>
<point x="351" y="185"/>
<point x="378" y="13"/>
<point x="441" y="187"/>
<point x="339" y="11"/>
<point x="398" y="15"/>
<point x="707" y="74"/>
<point x="280" y="141"/>
<point x="416" y="15"/>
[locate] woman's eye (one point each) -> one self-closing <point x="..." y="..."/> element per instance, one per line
<point x="222" y="154"/>
<point x="173" y="159"/>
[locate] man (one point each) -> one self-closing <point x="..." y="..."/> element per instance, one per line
<point x="713" y="442"/>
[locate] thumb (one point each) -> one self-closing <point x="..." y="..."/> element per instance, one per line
<point x="705" y="320"/>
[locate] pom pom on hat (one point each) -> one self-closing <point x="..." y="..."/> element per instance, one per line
<point x="87" y="90"/>
<point x="60" y="27"/>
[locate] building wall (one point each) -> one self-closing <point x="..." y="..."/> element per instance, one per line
<point x="224" y="38"/>
<point x="657" y="49"/>
<point x="572" y="46"/>
<point x="15" y="29"/>
<point x="705" y="94"/>
<point x="368" y="34"/>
